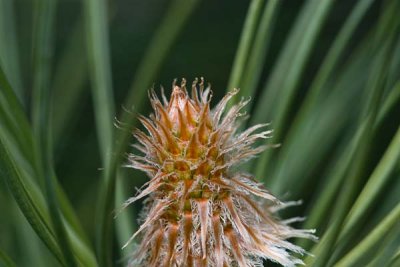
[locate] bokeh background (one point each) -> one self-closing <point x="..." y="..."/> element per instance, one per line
<point x="206" y="46"/>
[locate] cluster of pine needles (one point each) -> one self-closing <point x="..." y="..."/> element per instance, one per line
<point x="336" y="122"/>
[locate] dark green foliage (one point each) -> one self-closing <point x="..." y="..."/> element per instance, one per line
<point x="326" y="74"/>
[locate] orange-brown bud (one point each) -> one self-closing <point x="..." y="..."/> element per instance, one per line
<point x="201" y="212"/>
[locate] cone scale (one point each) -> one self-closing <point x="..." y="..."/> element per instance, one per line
<point x="199" y="210"/>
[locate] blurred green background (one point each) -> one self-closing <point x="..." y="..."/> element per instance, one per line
<point x="69" y="47"/>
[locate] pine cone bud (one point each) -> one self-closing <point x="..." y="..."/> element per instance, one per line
<point x="199" y="211"/>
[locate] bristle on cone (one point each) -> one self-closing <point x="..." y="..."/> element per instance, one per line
<point x="199" y="211"/>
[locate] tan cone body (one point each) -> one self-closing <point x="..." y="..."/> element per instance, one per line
<point x="200" y="211"/>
